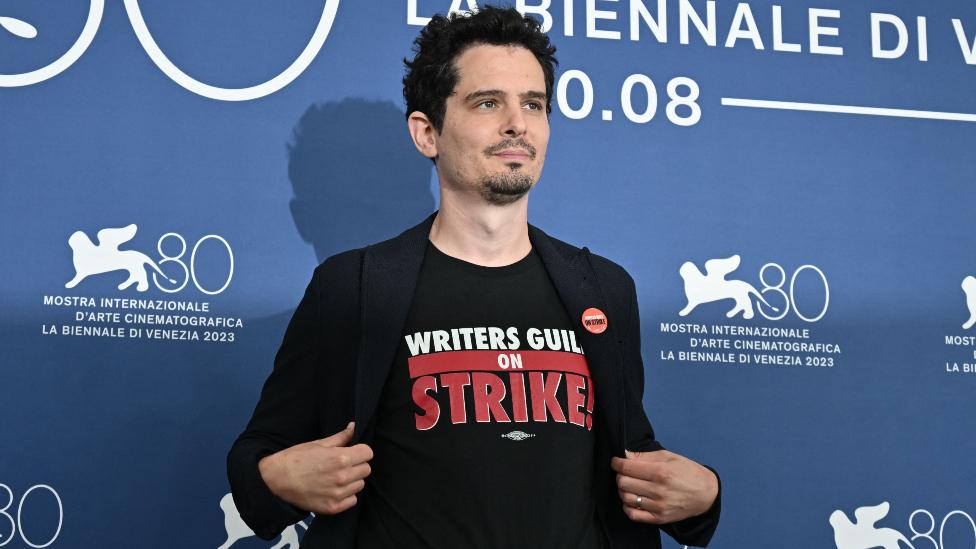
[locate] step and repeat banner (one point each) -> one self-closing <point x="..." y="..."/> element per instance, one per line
<point x="791" y="186"/>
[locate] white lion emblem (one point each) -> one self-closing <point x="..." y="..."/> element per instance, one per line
<point x="90" y="259"/>
<point x="863" y="534"/>
<point x="237" y="530"/>
<point x="705" y="288"/>
<point x="969" y="287"/>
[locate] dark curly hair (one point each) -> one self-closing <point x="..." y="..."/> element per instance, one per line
<point x="432" y="75"/>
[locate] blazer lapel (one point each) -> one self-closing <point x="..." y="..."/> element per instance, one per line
<point x="389" y="277"/>
<point x="579" y="289"/>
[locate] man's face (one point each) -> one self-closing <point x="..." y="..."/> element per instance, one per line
<point x="495" y="127"/>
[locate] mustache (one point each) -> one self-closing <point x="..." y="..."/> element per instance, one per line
<point x="511" y="144"/>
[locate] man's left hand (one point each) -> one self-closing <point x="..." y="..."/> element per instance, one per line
<point x="671" y="487"/>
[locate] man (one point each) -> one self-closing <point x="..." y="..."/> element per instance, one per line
<point x="488" y="376"/>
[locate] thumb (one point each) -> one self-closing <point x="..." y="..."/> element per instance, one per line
<point x="342" y="438"/>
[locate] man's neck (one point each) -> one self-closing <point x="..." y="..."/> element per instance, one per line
<point x="481" y="233"/>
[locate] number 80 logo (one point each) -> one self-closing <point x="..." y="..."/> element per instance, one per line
<point x="190" y="272"/>
<point x="16" y="524"/>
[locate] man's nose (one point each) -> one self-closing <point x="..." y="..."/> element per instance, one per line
<point x="515" y="121"/>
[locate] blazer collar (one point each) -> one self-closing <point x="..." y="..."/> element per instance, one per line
<point x="389" y="276"/>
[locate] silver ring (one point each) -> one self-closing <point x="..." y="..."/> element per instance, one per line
<point x="639" y="498"/>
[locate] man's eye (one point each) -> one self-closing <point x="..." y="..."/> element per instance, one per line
<point x="487" y="104"/>
<point x="534" y="105"/>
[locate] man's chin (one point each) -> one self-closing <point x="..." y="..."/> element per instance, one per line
<point x="502" y="199"/>
<point x="505" y="189"/>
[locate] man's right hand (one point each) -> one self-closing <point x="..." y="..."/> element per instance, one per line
<point x="322" y="476"/>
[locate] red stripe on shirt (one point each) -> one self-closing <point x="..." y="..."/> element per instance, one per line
<point x="466" y="361"/>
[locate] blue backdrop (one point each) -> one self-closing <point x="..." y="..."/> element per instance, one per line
<point x="737" y="137"/>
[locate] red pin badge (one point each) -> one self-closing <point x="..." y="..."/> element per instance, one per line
<point x="594" y="320"/>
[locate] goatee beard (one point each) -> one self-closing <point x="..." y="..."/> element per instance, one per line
<point x="505" y="188"/>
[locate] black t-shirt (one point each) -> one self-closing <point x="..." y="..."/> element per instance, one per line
<point x="484" y="432"/>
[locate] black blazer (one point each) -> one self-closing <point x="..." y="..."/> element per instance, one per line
<point x="340" y="345"/>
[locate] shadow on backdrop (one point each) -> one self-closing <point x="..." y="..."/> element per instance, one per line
<point x="356" y="176"/>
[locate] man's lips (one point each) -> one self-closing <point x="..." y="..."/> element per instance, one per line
<point x="513" y="155"/>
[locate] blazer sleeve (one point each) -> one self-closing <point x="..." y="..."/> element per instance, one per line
<point x="695" y="531"/>
<point x="285" y="415"/>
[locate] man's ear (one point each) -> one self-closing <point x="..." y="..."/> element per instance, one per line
<point x="423" y="133"/>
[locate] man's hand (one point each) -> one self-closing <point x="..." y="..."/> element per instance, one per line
<point x="322" y="476"/>
<point x="671" y="487"/>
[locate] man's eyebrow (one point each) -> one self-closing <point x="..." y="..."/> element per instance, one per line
<point x="482" y="93"/>
<point x="495" y="93"/>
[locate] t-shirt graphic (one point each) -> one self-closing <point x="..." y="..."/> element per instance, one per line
<point x="512" y="376"/>
<point x="484" y="434"/>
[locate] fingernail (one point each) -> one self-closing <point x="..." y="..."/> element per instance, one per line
<point x="351" y="423"/>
